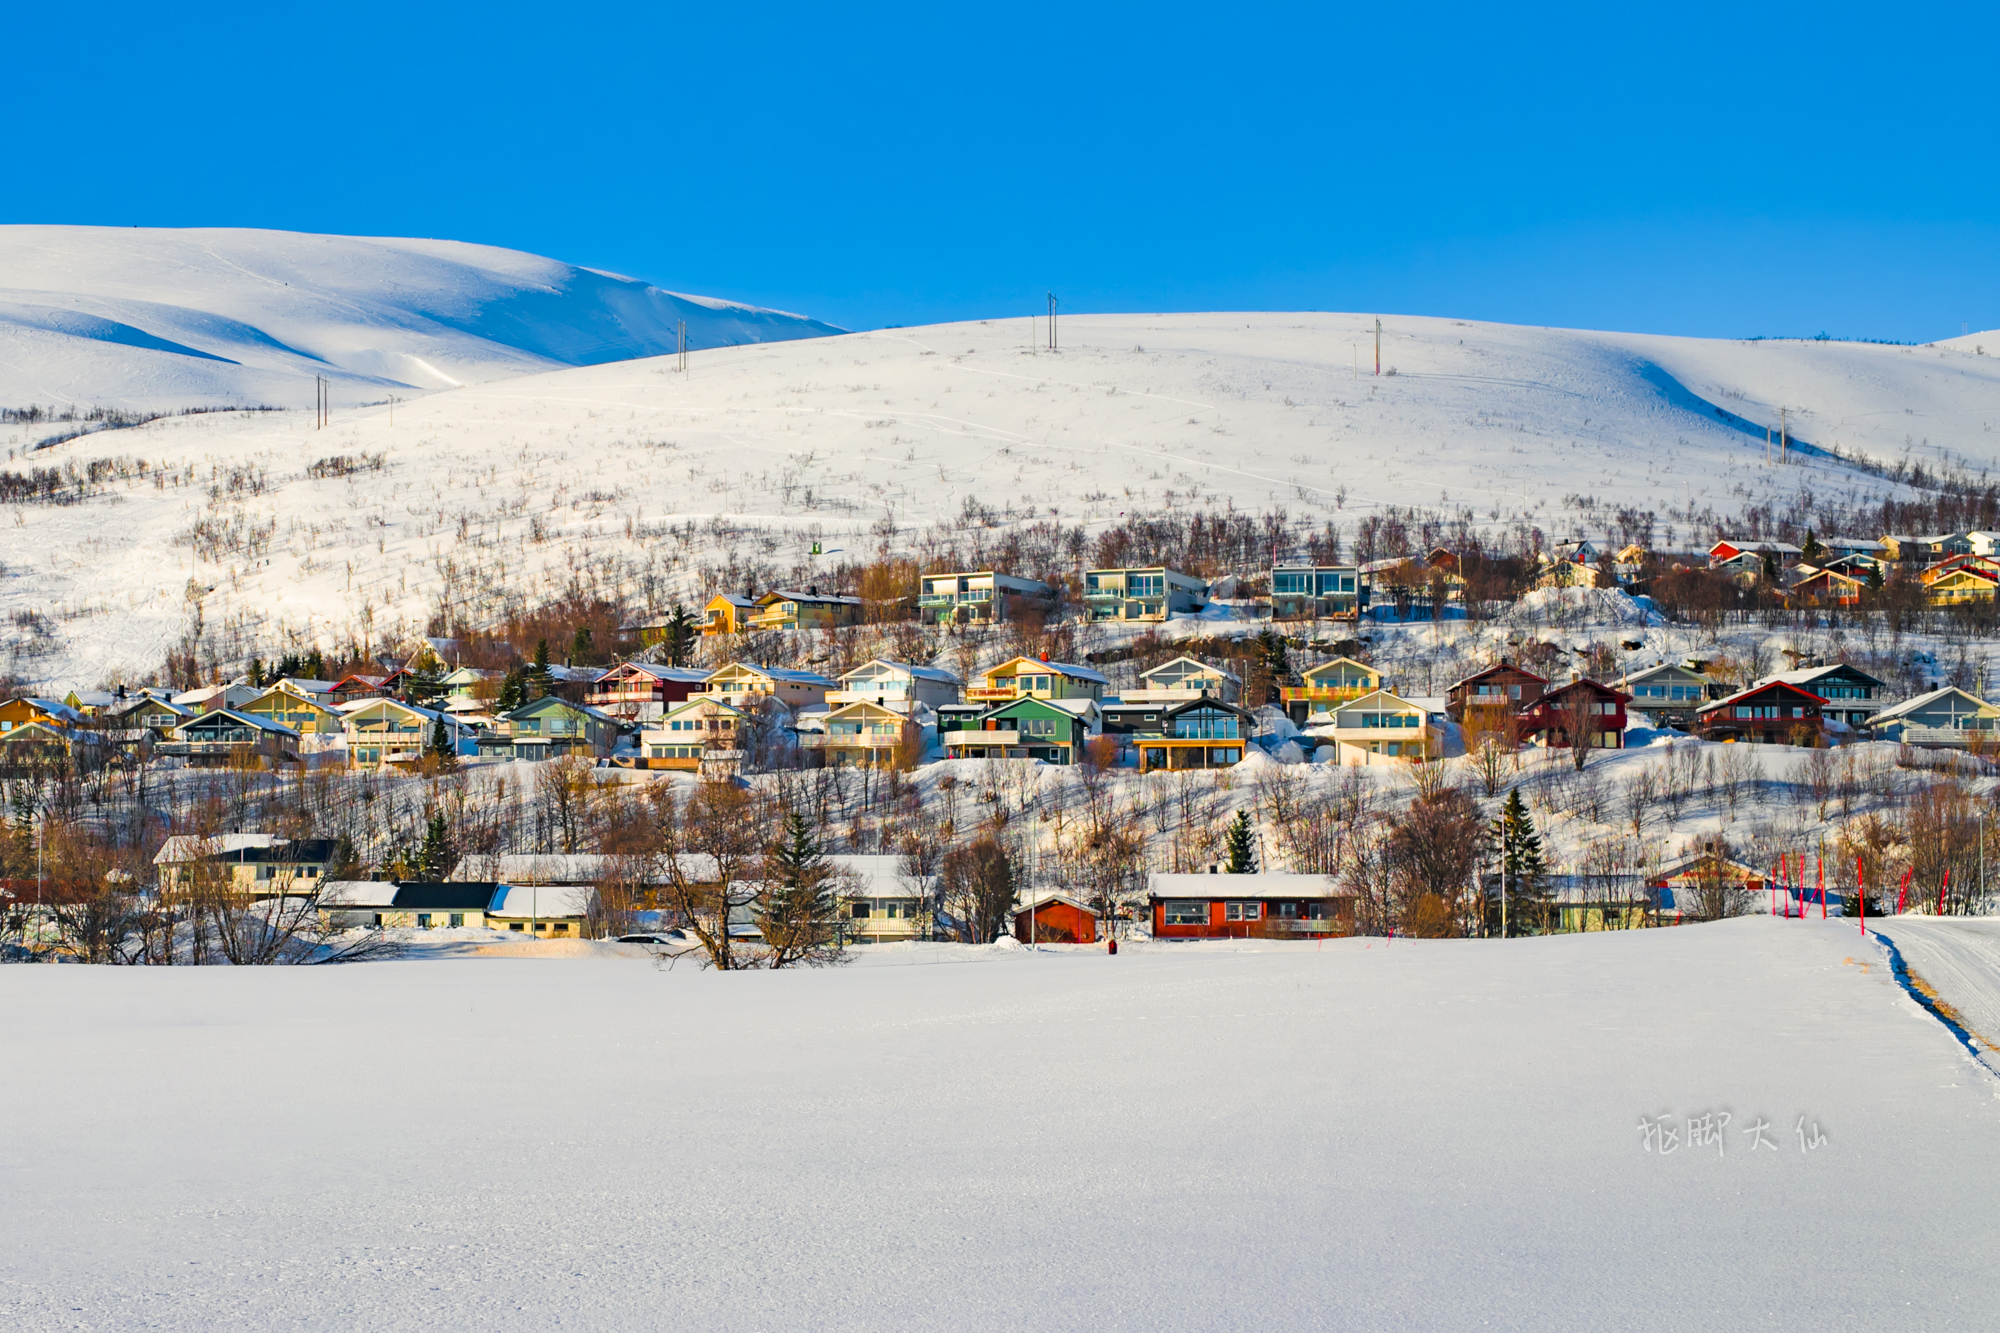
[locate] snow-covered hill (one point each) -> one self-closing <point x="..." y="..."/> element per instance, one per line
<point x="517" y="486"/>
<point x="147" y="318"/>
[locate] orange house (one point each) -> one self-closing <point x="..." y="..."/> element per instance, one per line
<point x="1217" y="907"/>
<point x="1054" y="918"/>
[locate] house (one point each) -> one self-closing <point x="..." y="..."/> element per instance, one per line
<point x="382" y="731"/>
<point x="308" y="716"/>
<point x="1949" y="718"/>
<point x="406" y="904"/>
<point x="1317" y="592"/>
<point x="1155" y="593"/>
<point x="1026" y="677"/>
<point x="1054" y="918"/>
<point x="545" y="911"/>
<point x="1828" y="587"/>
<point x="642" y="692"/>
<point x="1851" y="695"/>
<point x="26" y="709"/>
<point x="679" y="738"/>
<point x="1326" y="685"/>
<point x="1033" y="727"/>
<point x="896" y="685"/>
<point x="1202" y="733"/>
<point x="1500" y="687"/>
<point x="354" y="686"/>
<point x="1733" y="549"/>
<point x="223" y="737"/>
<point x="260" y="864"/>
<point x="1553" y="718"/>
<point x="805" y="610"/>
<point x="1183" y="679"/>
<point x="93" y="703"/>
<point x="210" y="697"/>
<point x="864" y="735"/>
<point x="727" y="613"/>
<point x="156" y="712"/>
<point x="1675" y="884"/>
<point x="880" y="904"/>
<point x="1198" y="907"/>
<point x="1908" y="548"/>
<point x="552" y="727"/>
<point x="742" y="683"/>
<point x="983" y="597"/>
<point x="467" y="683"/>
<point x="1376" y="727"/>
<point x="30" y="748"/>
<point x="1956" y="583"/>
<point x="1844" y="548"/>
<point x="1570" y="574"/>
<point x="1666" y="695"/>
<point x="1771" y="714"/>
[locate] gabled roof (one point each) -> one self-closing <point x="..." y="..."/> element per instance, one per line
<point x="1311" y="673"/>
<point x="701" y="701"/>
<point x="1188" y="706"/>
<point x="1908" y="707"/>
<point x="1502" y="665"/>
<point x="1208" y="667"/>
<point x="1659" y="668"/>
<point x="293" y="696"/>
<point x="1276" y="885"/>
<point x="784" y="674"/>
<point x="914" y="672"/>
<point x="680" y="675"/>
<point x="534" y="706"/>
<point x="357" y="894"/>
<point x="1805" y="677"/>
<point x="540" y="902"/>
<point x="1775" y="548"/>
<point x="247" y="719"/>
<point x="775" y="596"/>
<point x="446" y="896"/>
<point x="1583" y="682"/>
<point x="302" y="686"/>
<point x="1760" y="688"/>
<point x="742" y="603"/>
<point x="1036" y="664"/>
<point x="870" y="705"/>
<point x="353" y="706"/>
<point x="1369" y="700"/>
<point x="55" y="708"/>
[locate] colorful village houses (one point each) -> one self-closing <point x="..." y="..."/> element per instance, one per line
<point x="1182" y="680"/>
<point x="897" y="686"/>
<point x="642" y="692"/>
<point x="1583" y="708"/>
<point x="743" y="684"/>
<point x="980" y="597"/>
<point x="1379" y="727"/>
<point x="687" y="731"/>
<point x="1155" y="593"/>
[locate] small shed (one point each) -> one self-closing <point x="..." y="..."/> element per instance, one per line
<point x="1054" y="918"/>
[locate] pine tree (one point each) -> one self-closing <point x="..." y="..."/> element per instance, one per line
<point x="1874" y="578"/>
<point x="798" y="909"/>
<point x="540" y="678"/>
<point x="1521" y="861"/>
<point x="255" y="672"/>
<point x="513" y="691"/>
<point x="315" y="665"/>
<point x="679" y="641"/>
<point x="1810" y="551"/>
<point x="1241" y="841"/>
<point x="438" y="857"/>
<point x="581" y="648"/>
<point x="440" y="746"/>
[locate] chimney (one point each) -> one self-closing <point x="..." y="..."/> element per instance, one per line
<point x="1045" y="656"/>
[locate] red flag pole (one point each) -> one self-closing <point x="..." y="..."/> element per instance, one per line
<point x="1941" y="890"/>
<point x="1903" y="890"/>
<point x="1819" y="869"/>
<point x="1861" y="891"/>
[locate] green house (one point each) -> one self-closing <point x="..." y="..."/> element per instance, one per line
<point x="1050" y="730"/>
<point x="552" y="726"/>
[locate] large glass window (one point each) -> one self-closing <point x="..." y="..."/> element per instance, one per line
<point x="1243" y="912"/>
<point x="1296" y="582"/>
<point x="1186" y="913"/>
<point x="1146" y="585"/>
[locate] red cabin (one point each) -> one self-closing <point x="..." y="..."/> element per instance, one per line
<point x="1053" y="918"/>
<point x="1220" y="907"/>
<point x="1597" y="711"/>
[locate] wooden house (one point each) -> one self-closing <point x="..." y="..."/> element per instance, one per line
<point x="21" y="711"/>
<point x="224" y="737"/>
<point x="1376" y="728"/>
<point x="1948" y="718"/>
<point x="356" y="686"/>
<point x="813" y="609"/>
<point x="680" y="736"/>
<point x="1184" y="679"/>
<point x="1152" y="594"/>
<point x="879" y="903"/>
<point x="209" y="697"/>
<point x="1828" y="587"/>
<point x="1038" y="678"/>
<point x="34" y="746"/>
<point x="1202" y="733"/>
<point x="155" y="713"/>
<point x="1198" y="907"/>
<point x="307" y="716"/>
<point x="545" y="911"/>
<point x="980" y="597"/>
<point x="407" y="904"/>
<point x="1666" y="695"/>
<point x="642" y="692"/>
<point x="863" y="734"/>
<point x="1850" y="694"/>
<point x="1772" y="714"/>
<point x="1052" y="730"/>
<point x="1327" y="686"/>
<point x="1054" y="918"/>
<point x="727" y="613"/>
<point x="1317" y="592"/>
<point x="1502" y="687"/>
<point x="93" y="703"/>
<point x="553" y="727"/>
<point x="384" y="732"/>
<point x="897" y="686"/>
<point x="260" y="865"/>
<point x="1552" y="719"/>
<point x="743" y="684"/>
<point x="1734" y="548"/>
<point x="1958" y="583"/>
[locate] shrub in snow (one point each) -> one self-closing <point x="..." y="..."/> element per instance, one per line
<point x="1325" y="754"/>
<point x="1290" y="753"/>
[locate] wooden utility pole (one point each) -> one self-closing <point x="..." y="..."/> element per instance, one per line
<point x="682" y="364"/>
<point x="1784" y="443"/>
<point x="1053" y="304"/>
<point x="1378" y="347"/>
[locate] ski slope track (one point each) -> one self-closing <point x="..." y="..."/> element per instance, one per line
<point x="149" y="319"/>
<point x="507" y="488"/>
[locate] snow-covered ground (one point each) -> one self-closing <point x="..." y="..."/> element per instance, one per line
<point x="156" y="319"/>
<point x="1420" y="1136"/>
<point x="1958" y="960"/>
<point x="633" y="475"/>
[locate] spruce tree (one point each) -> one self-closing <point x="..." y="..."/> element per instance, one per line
<point x="581" y="647"/>
<point x="513" y="691"/>
<point x="438" y="857"/>
<point x="440" y="745"/>
<point x="680" y="637"/>
<point x="540" y="678"/>
<point x="1810" y="550"/>
<point x="315" y="665"/>
<point x="1242" y="845"/>
<point x="1521" y="861"/>
<point x="797" y="910"/>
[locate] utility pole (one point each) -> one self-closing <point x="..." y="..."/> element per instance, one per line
<point x="1053" y="304"/>
<point x="682" y="365"/>
<point x="1378" y="347"/>
<point x="1783" y="441"/>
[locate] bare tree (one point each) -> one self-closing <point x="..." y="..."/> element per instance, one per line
<point x="977" y="884"/>
<point x="707" y="844"/>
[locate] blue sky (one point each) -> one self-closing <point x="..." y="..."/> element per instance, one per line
<point x="1704" y="169"/>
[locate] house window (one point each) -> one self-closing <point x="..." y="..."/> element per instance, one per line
<point x="1243" y="911"/>
<point x="458" y="918"/>
<point x="423" y="921"/>
<point x="858" y="911"/>
<point x="512" y="925"/>
<point x="1186" y="914"/>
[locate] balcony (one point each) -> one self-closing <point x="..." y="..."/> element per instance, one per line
<point x="1325" y="694"/>
<point x="990" y="694"/>
<point x="982" y="738"/>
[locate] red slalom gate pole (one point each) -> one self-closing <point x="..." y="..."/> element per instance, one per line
<point x="1861" y="891"/>
<point x="1941" y="890"/>
<point x="1819" y="868"/>
<point x="1903" y="890"/>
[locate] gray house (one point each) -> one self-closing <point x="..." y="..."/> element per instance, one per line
<point x="1852" y="695"/>
<point x="1943" y="718"/>
<point x="1668" y="694"/>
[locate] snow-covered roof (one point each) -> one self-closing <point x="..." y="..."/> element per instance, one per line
<point x="1275" y="885"/>
<point x="187" y="846"/>
<point x="1805" y="676"/>
<point x="541" y="900"/>
<point x="574" y="868"/>
<point x="358" y="893"/>
<point x="1208" y="668"/>
<point x="815" y="598"/>
<point x="253" y="720"/>
<point x="874" y="876"/>
<point x="914" y="672"/>
<point x="1896" y="712"/>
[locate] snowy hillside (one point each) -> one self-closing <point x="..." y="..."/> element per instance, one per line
<point x="622" y="470"/>
<point x="146" y="318"/>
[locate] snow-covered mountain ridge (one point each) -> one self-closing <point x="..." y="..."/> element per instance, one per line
<point x="510" y="489"/>
<point x="148" y="318"/>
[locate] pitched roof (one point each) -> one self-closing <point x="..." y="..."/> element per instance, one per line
<point x="1058" y="668"/>
<point x="1806" y="676"/>
<point x="914" y="672"/>
<point x="1275" y="885"/>
<point x="1896" y="712"/>
<point x="445" y="895"/>
<point x="1758" y="688"/>
<point x="1209" y="667"/>
<point x="540" y="901"/>
<point x="247" y="719"/>
<point x="357" y="893"/>
<point x="1502" y="665"/>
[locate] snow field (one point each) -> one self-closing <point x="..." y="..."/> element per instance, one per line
<point x="1430" y="1135"/>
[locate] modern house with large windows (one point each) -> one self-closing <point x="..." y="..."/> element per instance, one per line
<point x="1379" y="727"/>
<point x="740" y="684"/>
<point x="1032" y="677"/>
<point x="1772" y="714"/>
<point x="812" y="609"/>
<point x="1851" y="694"/>
<point x="1667" y="695"/>
<point x="982" y="597"/>
<point x="1317" y="592"/>
<point x="1949" y="718"/>
<point x="1155" y="593"/>
<point x="896" y="685"/>
<point x="1052" y="730"/>
<point x="1184" y="679"/>
<point x="1327" y="686"/>
<point x="685" y="732"/>
<point x="1203" y="733"/>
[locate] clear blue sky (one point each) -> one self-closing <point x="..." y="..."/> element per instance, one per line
<point x="1708" y="169"/>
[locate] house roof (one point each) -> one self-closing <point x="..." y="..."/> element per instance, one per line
<point x="786" y="674"/>
<point x="247" y="719"/>
<point x="539" y="901"/>
<point x="744" y="603"/>
<point x="445" y="895"/>
<point x="682" y="675"/>
<point x="1311" y="673"/>
<point x="1805" y="677"/>
<point x="1582" y="683"/>
<point x="777" y="595"/>
<point x="1058" y="668"/>
<point x="357" y="893"/>
<point x="1896" y="712"/>
<point x="1661" y="668"/>
<point x="1502" y="665"/>
<point x="914" y="672"/>
<point x="55" y="708"/>
<point x="1208" y="667"/>
<point x="1047" y="896"/>
<point x="1775" y="548"/>
<point x="353" y="706"/>
<point x="1276" y="885"/>
<point x="186" y="846"/>
<point x="1756" y="689"/>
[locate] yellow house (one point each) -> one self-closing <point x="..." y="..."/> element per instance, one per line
<point x="727" y="614"/>
<point x="306" y="716"/>
<point x="686" y="730"/>
<point x="740" y="683"/>
<point x="1032" y="678"/>
<point x="1958" y="585"/>
<point x="1327" y="685"/>
<point x="865" y="735"/>
<point x="805" y="610"/>
<point x="1378" y="727"/>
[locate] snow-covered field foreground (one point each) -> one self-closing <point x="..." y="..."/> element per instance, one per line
<point x="1374" y="1136"/>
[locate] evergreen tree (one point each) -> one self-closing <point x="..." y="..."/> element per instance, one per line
<point x="513" y="691"/>
<point x="1811" y="551"/>
<point x="254" y="673"/>
<point x="288" y="666"/>
<point x="1521" y="861"/>
<point x="1241" y="842"/>
<point x="798" y="909"/>
<point x="540" y="679"/>
<point x="680" y="636"/>
<point x="314" y="665"/>
<point x="1874" y="578"/>
<point x="440" y="744"/>
<point x="438" y="858"/>
<point x="581" y="647"/>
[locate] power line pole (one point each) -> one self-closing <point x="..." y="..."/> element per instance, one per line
<point x="1378" y="347"/>
<point x="1053" y="303"/>
<point x="683" y="363"/>
<point x="1784" y="444"/>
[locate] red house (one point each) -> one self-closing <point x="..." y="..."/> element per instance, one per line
<point x="1502" y="685"/>
<point x="1767" y="714"/>
<point x="635" y="690"/>
<point x="1552" y="717"/>
<point x="1218" y="907"/>
<point x="1053" y="918"/>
